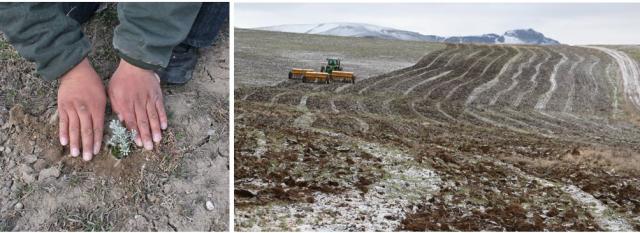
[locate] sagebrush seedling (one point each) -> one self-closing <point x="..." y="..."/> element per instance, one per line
<point x="121" y="139"/>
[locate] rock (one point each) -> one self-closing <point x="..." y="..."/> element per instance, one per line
<point x="49" y="172"/>
<point x="211" y="132"/>
<point x="53" y="120"/>
<point x="16" y="115"/>
<point x="342" y="148"/>
<point x="246" y="193"/>
<point x="40" y="164"/>
<point x="28" y="178"/>
<point x="19" y="206"/>
<point x="152" y="198"/>
<point x="26" y="173"/>
<point x="29" y="159"/>
<point x="11" y="164"/>
<point x="7" y="150"/>
<point x="210" y="206"/>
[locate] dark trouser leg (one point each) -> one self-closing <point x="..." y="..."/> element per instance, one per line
<point x="80" y="11"/>
<point x="210" y="19"/>
<point x="203" y="33"/>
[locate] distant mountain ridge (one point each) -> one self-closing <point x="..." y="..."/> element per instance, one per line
<point x="518" y="36"/>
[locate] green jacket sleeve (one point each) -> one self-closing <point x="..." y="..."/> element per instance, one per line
<point x="42" y="33"/>
<point x="148" y="31"/>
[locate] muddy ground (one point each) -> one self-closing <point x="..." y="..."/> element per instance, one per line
<point x="470" y="137"/>
<point x="43" y="189"/>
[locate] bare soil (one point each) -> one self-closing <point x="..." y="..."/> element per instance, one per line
<point x="470" y="137"/>
<point x="42" y="188"/>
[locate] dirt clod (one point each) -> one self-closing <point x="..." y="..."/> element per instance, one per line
<point x="52" y="172"/>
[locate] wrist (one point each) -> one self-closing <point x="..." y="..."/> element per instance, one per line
<point x="77" y="71"/>
<point x="131" y="68"/>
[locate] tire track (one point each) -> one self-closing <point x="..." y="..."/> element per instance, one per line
<point x="544" y="99"/>
<point x="405" y="93"/>
<point x="614" y="92"/>
<point x="486" y="86"/>
<point x="630" y="74"/>
<point x="569" y="103"/>
<point x="605" y="217"/>
<point x="533" y="80"/>
<point x="514" y="80"/>
<point x="409" y="70"/>
<point x="476" y="62"/>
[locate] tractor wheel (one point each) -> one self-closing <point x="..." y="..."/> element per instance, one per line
<point x="322" y="69"/>
<point x="353" y="79"/>
<point x="290" y="75"/>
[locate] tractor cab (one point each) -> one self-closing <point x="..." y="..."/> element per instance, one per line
<point x="332" y="64"/>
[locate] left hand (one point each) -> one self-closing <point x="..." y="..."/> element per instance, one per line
<point x="136" y="98"/>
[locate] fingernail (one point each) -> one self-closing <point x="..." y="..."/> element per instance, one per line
<point x="138" y="142"/>
<point x="163" y="125"/>
<point x="96" y="149"/>
<point x="86" y="156"/>
<point x="75" y="152"/>
<point x="157" y="137"/>
<point x="148" y="145"/>
<point x="63" y="141"/>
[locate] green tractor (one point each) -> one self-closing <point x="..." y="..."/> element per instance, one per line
<point x="332" y="64"/>
<point x="334" y="69"/>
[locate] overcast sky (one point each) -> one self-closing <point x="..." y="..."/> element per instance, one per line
<point x="570" y="23"/>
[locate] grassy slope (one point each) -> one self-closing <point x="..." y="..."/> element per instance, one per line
<point x="264" y="58"/>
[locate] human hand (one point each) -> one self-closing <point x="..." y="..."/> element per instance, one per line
<point x="136" y="98"/>
<point x="81" y="106"/>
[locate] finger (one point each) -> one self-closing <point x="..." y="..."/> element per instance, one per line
<point x="154" y="122"/>
<point x="98" y="126"/>
<point x="143" y="125"/>
<point x="161" y="113"/>
<point x="86" y="132"/>
<point x="74" y="133"/>
<point x="130" y="120"/>
<point x="63" y="125"/>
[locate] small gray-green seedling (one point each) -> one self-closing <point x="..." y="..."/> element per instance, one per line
<point x="120" y="140"/>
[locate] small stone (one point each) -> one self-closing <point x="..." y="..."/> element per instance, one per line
<point x="166" y="188"/>
<point x="29" y="159"/>
<point x="28" y="178"/>
<point x="19" y="206"/>
<point x="26" y="173"/>
<point x="49" y="172"/>
<point x="211" y="132"/>
<point x="210" y="206"/>
<point x="11" y="164"/>
<point x="7" y="150"/>
<point x="40" y="164"/>
<point x="343" y="148"/>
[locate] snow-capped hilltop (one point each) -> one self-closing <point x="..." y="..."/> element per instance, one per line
<point x="528" y="36"/>
<point x="352" y="30"/>
<point x="519" y="36"/>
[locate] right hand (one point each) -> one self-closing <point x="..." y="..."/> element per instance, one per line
<point x="81" y="106"/>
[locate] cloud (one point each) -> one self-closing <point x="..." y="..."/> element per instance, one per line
<point x="571" y="23"/>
